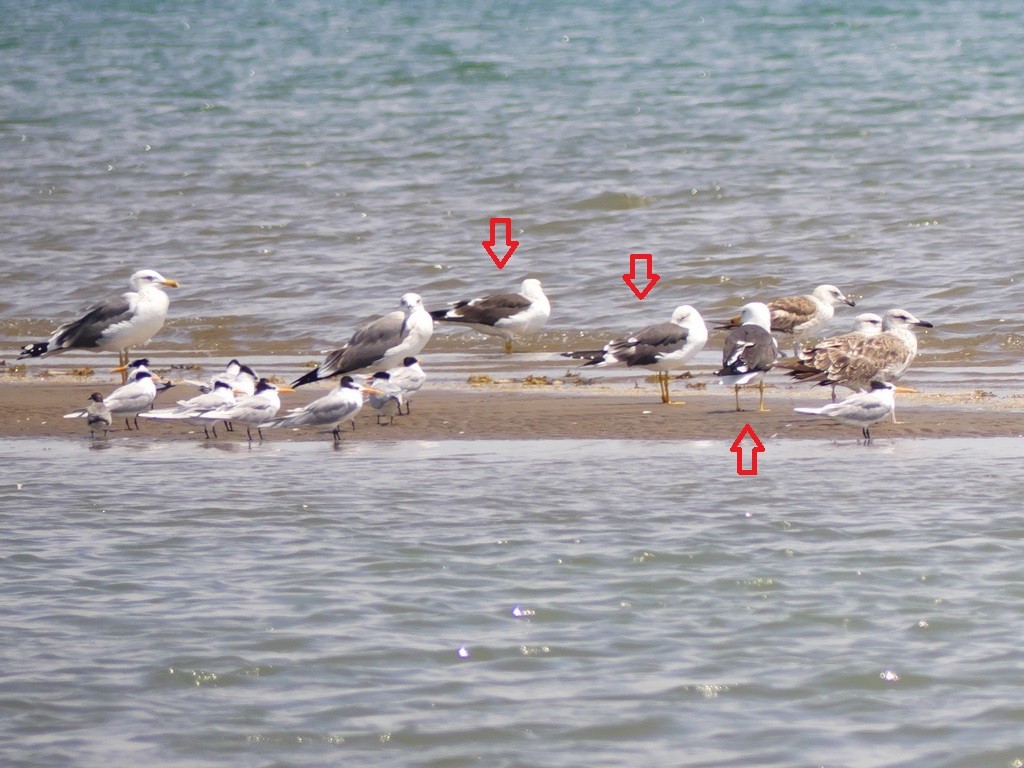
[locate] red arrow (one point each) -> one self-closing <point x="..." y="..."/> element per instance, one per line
<point x="510" y="244"/>
<point x="737" y="448"/>
<point x="649" y="274"/>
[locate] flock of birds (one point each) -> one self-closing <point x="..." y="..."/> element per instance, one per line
<point x="868" y="360"/>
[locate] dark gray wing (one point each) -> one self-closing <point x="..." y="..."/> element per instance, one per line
<point x="87" y="331"/>
<point x="748" y="348"/>
<point x="484" y="311"/>
<point x="367" y="346"/>
<point x="646" y="347"/>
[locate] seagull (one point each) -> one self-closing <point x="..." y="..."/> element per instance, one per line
<point x="409" y="376"/>
<point x="664" y="347"/>
<point x="119" y="323"/>
<point x="341" y="404"/>
<point x="810" y="363"/>
<point x="97" y="413"/>
<point x="882" y="357"/>
<point x="129" y="399"/>
<point x="381" y="344"/>
<point x="221" y="396"/>
<point x="505" y="315"/>
<point x="387" y="397"/>
<point x="253" y="410"/>
<point x="802" y="315"/>
<point x="749" y="351"/>
<point x="862" y="409"/>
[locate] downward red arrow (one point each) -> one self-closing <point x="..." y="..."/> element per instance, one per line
<point x="737" y="447"/>
<point x="510" y="244"/>
<point x="649" y="276"/>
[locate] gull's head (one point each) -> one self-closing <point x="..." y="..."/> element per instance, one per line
<point x="756" y="313"/>
<point x="686" y="315"/>
<point x="832" y="295"/>
<point x="145" y="277"/>
<point x="410" y="302"/>
<point x="868" y="323"/>
<point x="96" y="397"/>
<point x="409" y="362"/>
<point x="531" y="287"/>
<point x="901" y="318"/>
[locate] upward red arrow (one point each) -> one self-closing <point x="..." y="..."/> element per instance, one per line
<point x="737" y="447"/>
<point x="649" y="276"/>
<point x="510" y="244"/>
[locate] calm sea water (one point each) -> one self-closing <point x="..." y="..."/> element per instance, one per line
<point x="300" y="165"/>
<point x="304" y="606"/>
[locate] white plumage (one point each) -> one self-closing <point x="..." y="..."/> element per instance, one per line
<point x="505" y="315"/>
<point x="381" y="344"/>
<point x="117" y="324"/>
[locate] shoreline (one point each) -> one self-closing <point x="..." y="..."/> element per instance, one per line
<point x="529" y="409"/>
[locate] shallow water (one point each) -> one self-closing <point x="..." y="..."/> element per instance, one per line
<point x="299" y="166"/>
<point x="176" y="604"/>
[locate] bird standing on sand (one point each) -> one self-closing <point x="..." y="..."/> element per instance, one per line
<point x="749" y="351"/>
<point x="663" y="347"/>
<point x="810" y="363"/>
<point x="129" y="399"/>
<point x="386" y="399"/>
<point x="410" y="377"/>
<point x="505" y="315"/>
<point x="883" y="357"/>
<point x="381" y="344"/>
<point x="341" y="404"/>
<point x="119" y="323"/>
<point x="97" y="414"/>
<point x="254" y="410"/>
<point x="861" y="409"/>
<point x="221" y="396"/>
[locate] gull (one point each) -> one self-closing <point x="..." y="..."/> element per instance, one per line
<point x="221" y="396"/>
<point x="749" y="350"/>
<point x="883" y="357"/>
<point x="811" y="362"/>
<point x="386" y="399"/>
<point x="409" y="376"/>
<point x="117" y="324"/>
<point x="342" y="403"/>
<point x="505" y="315"/>
<point x="97" y="413"/>
<point x="129" y="399"/>
<point x="802" y="315"/>
<point x="663" y="347"/>
<point x="253" y="410"/>
<point x="861" y="409"/>
<point x="381" y="344"/>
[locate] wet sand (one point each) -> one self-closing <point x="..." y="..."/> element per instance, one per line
<point x="34" y="407"/>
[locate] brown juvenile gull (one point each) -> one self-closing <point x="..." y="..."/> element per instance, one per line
<point x="802" y="315"/>
<point x="809" y="363"/>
